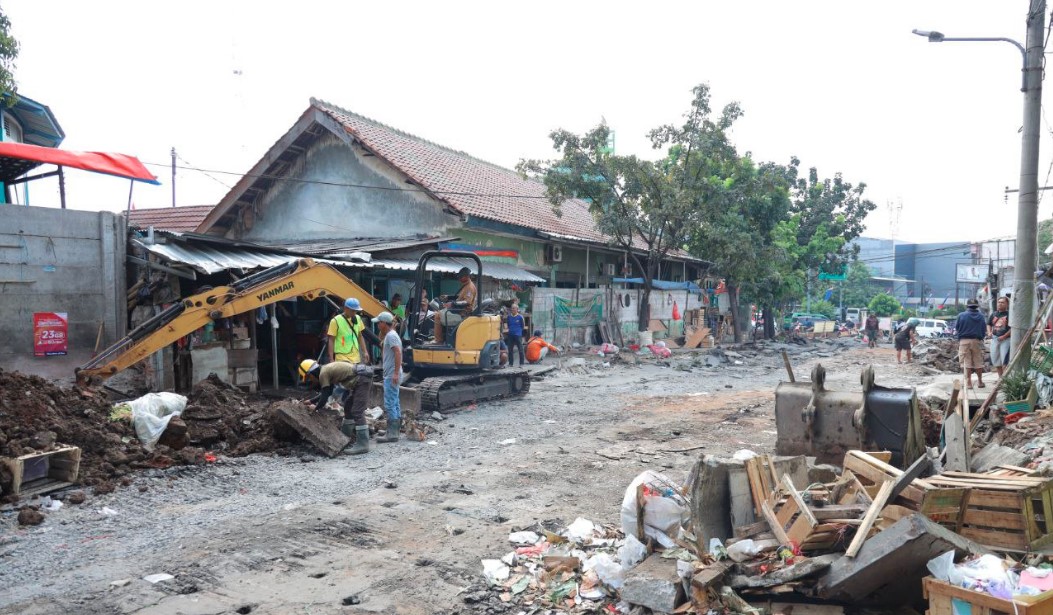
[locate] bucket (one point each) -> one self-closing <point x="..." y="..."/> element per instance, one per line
<point x="646" y="338"/>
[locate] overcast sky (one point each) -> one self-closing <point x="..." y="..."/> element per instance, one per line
<point x="844" y="86"/>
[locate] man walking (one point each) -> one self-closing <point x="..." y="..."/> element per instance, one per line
<point x="971" y="329"/>
<point x="871" y="330"/>
<point x="354" y="377"/>
<point x="998" y="329"/>
<point x="392" y="357"/>
<point x="514" y="337"/>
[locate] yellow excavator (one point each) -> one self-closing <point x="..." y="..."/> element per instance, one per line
<point x="459" y="371"/>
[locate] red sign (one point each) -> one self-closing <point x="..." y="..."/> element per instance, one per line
<point x="50" y="333"/>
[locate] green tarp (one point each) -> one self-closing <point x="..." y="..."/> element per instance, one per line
<point x="578" y="313"/>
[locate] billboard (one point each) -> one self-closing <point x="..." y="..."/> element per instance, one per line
<point x="49" y="333"/>
<point x="971" y="273"/>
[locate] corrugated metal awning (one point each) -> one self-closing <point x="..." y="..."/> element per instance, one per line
<point x="497" y="271"/>
<point x="207" y="259"/>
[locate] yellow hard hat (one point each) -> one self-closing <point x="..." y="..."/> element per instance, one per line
<point x="306" y="366"/>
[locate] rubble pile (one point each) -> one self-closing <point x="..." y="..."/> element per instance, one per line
<point x="220" y="417"/>
<point x="941" y="353"/>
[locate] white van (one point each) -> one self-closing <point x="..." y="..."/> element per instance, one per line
<point x="928" y="327"/>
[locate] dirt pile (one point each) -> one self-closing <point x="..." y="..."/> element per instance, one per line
<point x="221" y="417"/>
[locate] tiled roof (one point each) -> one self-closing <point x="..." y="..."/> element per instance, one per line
<point x="178" y="219"/>
<point x="469" y="185"/>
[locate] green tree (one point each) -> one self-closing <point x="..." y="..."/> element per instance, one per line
<point x="1045" y="235"/>
<point x="858" y="286"/>
<point x="824" y="307"/>
<point x="642" y="205"/>
<point x="884" y="304"/>
<point x="8" y="54"/>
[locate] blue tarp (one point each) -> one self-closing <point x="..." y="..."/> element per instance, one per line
<point x="662" y="284"/>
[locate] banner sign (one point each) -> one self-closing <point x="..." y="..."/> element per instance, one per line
<point x="480" y="251"/>
<point x="50" y="333"/>
<point x="578" y="314"/>
<point x="969" y="273"/>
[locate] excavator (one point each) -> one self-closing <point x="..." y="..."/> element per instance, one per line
<point x="459" y="371"/>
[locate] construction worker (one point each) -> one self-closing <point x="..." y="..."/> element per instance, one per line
<point x="392" y="358"/>
<point x="537" y="348"/>
<point x="462" y="305"/>
<point x="356" y="378"/>
<point x="345" y="334"/>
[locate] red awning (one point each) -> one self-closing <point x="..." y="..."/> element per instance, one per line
<point x="17" y="159"/>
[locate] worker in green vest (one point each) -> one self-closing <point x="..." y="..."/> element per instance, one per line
<point x="345" y="334"/>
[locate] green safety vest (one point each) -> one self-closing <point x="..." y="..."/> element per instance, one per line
<point x="346" y="335"/>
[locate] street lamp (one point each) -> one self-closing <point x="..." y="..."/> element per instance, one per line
<point x="1023" y="300"/>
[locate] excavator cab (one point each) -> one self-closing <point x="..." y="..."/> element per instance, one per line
<point x="470" y="338"/>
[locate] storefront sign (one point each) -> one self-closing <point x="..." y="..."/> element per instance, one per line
<point x="50" y="333"/>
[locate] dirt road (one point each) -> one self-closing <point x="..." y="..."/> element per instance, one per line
<point x="402" y="529"/>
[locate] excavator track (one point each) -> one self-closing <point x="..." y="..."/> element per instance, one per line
<point x="445" y="394"/>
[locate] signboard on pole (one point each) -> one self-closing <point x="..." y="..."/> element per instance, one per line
<point x="834" y="277"/>
<point x="969" y="273"/>
<point x="50" y="333"/>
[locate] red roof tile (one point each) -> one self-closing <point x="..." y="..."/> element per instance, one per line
<point x="469" y="185"/>
<point x="177" y="219"/>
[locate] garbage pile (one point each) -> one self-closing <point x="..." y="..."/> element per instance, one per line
<point x="941" y="353"/>
<point x="745" y="533"/>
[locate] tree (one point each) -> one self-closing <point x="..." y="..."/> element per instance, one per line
<point x="858" y="286"/>
<point x="646" y="207"/>
<point x="8" y="54"/>
<point x="884" y="304"/>
<point x="824" y="307"/>
<point x="1045" y="234"/>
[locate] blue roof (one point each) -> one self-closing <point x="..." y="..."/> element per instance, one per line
<point x="39" y="126"/>
<point x="661" y="284"/>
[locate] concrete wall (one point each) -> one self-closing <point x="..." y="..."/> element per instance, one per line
<point x="298" y="210"/>
<point x="54" y="260"/>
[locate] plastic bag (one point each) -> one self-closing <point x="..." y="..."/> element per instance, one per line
<point x="609" y="571"/>
<point x="632" y="552"/>
<point x="151" y="414"/>
<point x="581" y="530"/>
<point x="743" y="550"/>
<point x="664" y="513"/>
<point x="495" y="571"/>
<point x="608" y="348"/>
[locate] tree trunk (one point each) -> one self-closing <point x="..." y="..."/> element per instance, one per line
<point x="645" y="307"/>
<point x="733" y="299"/>
<point x="769" y="322"/>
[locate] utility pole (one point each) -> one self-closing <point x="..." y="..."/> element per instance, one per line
<point x="1022" y="309"/>
<point x="173" y="177"/>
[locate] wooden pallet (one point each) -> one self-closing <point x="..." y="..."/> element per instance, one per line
<point x="40" y="473"/>
<point x="942" y="504"/>
<point x="793" y="522"/>
<point x="1012" y="513"/>
<point x="947" y="599"/>
<point x="1010" y="471"/>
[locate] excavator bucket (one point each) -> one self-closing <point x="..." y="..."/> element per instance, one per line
<point x="825" y="424"/>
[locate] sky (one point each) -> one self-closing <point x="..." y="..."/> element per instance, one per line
<point x="844" y="86"/>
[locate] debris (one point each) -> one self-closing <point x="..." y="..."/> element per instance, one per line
<point x="158" y="578"/>
<point x="507" y="442"/>
<point x="994" y="455"/>
<point x="150" y="415"/>
<point x="654" y="584"/>
<point x="438" y="416"/>
<point x="120" y="582"/>
<point x="797" y="571"/>
<point x="658" y="503"/>
<point x="30" y="516"/>
<point x="495" y="571"/>
<point x="523" y="538"/>
<point x="106" y="511"/>
<point x="318" y="428"/>
<point x="76" y="497"/>
<point x="581" y="530"/>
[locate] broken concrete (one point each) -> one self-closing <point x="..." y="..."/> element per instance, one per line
<point x="654" y="584"/>
<point x="889" y="567"/>
<point x="823" y="473"/>
<point x="318" y="428"/>
<point x="785" y="575"/>
<point x="994" y="455"/>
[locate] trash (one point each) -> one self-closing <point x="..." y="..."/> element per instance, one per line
<point x="607" y="348"/>
<point x="375" y="412"/>
<point x="49" y="505"/>
<point x="580" y="530"/>
<point x="509" y="559"/>
<point x="609" y="571"/>
<point x="743" y="550"/>
<point x="717" y="550"/>
<point x="438" y="416"/>
<point x="523" y="538"/>
<point x="632" y="552"/>
<point x="108" y="512"/>
<point x="158" y="578"/>
<point x="507" y="442"/>
<point x="150" y="415"/>
<point x="743" y="455"/>
<point x="664" y="508"/>
<point x="495" y="570"/>
<point x="120" y="582"/>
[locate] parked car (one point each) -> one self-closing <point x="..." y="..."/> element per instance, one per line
<point x="929" y="327"/>
<point x="805" y="319"/>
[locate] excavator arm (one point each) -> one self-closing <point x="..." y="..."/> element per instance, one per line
<point x="302" y="278"/>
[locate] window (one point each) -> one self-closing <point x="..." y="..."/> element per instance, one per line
<point x="12" y="129"/>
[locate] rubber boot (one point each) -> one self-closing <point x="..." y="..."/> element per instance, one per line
<point x="361" y="441"/>
<point x="347" y="428"/>
<point x="392" y="434"/>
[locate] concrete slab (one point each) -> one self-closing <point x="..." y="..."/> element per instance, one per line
<point x="317" y="428"/>
<point x="654" y="584"/>
<point x="889" y="567"/>
<point x="997" y="455"/>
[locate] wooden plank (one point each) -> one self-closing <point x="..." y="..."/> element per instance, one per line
<point x="753" y="477"/>
<point x="839" y="511"/>
<point x="993" y="538"/>
<point x="789" y="368"/>
<point x="869" y="519"/>
<point x="954" y="434"/>
<point x="776" y="528"/>
<point x="882" y="456"/>
<point x="994" y="520"/>
<point x="916" y="469"/>
<point x="952" y="403"/>
<point x="805" y="512"/>
<point x="1042" y="604"/>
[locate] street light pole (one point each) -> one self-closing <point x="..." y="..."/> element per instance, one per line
<point x="1022" y="308"/>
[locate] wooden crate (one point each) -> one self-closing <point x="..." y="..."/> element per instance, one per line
<point x="947" y="599"/>
<point x="940" y="503"/>
<point x="40" y="473"/>
<point x="1013" y="513"/>
<point x="792" y="521"/>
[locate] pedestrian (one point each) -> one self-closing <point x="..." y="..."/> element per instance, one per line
<point x="905" y="339"/>
<point x="537" y="348"/>
<point x="455" y="311"/>
<point x="871" y="328"/>
<point x="514" y="337"/>
<point x="392" y="361"/>
<point x="998" y="329"/>
<point x="971" y="329"/>
<point x="356" y="379"/>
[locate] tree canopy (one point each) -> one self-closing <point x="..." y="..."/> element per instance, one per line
<point x="8" y="54"/>
<point x="884" y="304"/>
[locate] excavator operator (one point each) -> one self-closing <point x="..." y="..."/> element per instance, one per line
<point x="356" y="378"/>
<point x="455" y="311"/>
